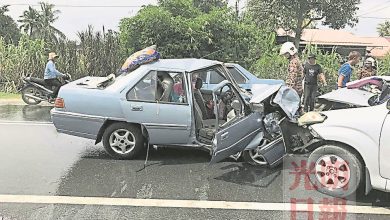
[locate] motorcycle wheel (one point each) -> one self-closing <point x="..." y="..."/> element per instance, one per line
<point x="30" y="90"/>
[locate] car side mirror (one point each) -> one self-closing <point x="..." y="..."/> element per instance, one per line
<point x="236" y="105"/>
<point x="388" y="104"/>
<point x="257" y="107"/>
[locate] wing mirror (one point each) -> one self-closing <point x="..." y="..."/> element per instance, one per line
<point x="236" y="105"/>
<point x="388" y="104"/>
<point x="257" y="107"/>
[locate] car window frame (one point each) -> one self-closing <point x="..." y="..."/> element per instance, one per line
<point x="156" y="101"/>
<point x="209" y="73"/>
<point x="239" y="72"/>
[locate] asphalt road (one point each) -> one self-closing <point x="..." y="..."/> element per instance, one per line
<point x="37" y="161"/>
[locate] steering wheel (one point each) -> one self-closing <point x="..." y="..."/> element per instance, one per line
<point x="227" y="95"/>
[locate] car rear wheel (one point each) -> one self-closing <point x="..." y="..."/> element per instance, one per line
<point x="253" y="156"/>
<point x="30" y="91"/>
<point x="336" y="170"/>
<point x="123" y="141"/>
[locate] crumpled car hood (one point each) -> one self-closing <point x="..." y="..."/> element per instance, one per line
<point x="355" y="97"/>
<point x="263" y="91"/>
<point x="287" y="98"/>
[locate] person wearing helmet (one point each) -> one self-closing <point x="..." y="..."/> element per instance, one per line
<point x="51" y="74"/>
<point x="367" y="71"/>
<point x="345" y="71"/>
<point x="295" y="68"/>
<point x="373" y="62"/>
<point x="312" y="71"/>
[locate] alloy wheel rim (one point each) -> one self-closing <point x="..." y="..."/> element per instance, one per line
<point x="332" y="172"/>
<point x="122" y="141"/>
<point x="255" y="153"/>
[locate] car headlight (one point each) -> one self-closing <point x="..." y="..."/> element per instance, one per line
<point x="311" y="118"/>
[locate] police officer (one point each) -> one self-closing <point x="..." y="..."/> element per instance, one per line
<point x="367" y="71"/>
<point x="295" y="68"/>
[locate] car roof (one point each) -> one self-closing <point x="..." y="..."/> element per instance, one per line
<point x="185" y="64"/>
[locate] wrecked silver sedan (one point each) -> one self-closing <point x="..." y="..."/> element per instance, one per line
<point x="163" y="104"/>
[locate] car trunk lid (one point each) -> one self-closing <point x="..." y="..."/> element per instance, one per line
<point x="89" y="82"/>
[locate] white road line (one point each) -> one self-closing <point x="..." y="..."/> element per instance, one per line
<point x="195" y="204"/>
<point x="24" y="123"/>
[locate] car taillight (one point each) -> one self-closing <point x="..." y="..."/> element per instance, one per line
<point x="59" y="103"/>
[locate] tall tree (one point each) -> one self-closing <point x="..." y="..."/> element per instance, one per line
<point x="297" y="15"/>
<point x="39" y="23"/>
<point x="213" y="35"/>
<point x="8" y="28"/>
<point x="29" y="21"/>
<point x="384" y="29"/>
<point x="208" y="5"/>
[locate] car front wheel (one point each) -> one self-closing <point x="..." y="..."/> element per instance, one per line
<point x="254" y="157"/>
<point x="123" y="141"/>
<point x="335" y="170"/>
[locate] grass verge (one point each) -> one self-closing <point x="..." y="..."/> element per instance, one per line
<point x="4" y="95"/>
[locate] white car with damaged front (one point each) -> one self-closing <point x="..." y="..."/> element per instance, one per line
<point x="349" y="148"/>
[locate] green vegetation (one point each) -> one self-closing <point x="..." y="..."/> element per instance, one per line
<point x="180" y="29"/>
<point x="8" y="27"/>
<point x="38" y="24"/>
<point x="96" y="55"/>
<point x="4" y="95"/>
<point x="384" y="29"/>
<point x="297" y="15"/>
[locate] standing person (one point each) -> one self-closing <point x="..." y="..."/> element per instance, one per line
<point x="295" y="68"/>
<point x="371" y="58"/>
<point x="51" y="74"/>
<point x="345" y="71"/>
<point x="312" y="71"/>
<point x="367" y="71"/>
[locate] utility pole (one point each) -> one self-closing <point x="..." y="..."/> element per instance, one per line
<point x="237" y="35"/>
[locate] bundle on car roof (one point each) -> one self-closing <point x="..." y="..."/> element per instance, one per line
<point x="138" y="58"/>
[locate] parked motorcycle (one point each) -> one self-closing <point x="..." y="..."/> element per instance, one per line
<point x="35" y="90"/>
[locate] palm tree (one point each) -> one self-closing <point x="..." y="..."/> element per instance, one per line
<point x="4" y="9"/>
<point x="384" y="29"/>
<point x="39" y="23"/>
<point x="29" y="20"/>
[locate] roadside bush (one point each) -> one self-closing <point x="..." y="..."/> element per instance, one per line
<point x="384" y="66"/>
<point x="16" y="61"/>
<point x="218" y="34"/>
<point x="97" y="54"/>
<point x="270" y="66"/>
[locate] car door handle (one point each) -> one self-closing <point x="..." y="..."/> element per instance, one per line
<point x="224" y="136"/>
<point x="137" y="108"/>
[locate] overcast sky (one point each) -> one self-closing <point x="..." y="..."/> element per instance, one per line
<point x="73" y="19"/>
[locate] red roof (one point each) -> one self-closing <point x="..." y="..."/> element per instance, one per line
<point x="379" y="46"/>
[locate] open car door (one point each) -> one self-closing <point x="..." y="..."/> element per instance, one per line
<point x="241" y="126"/>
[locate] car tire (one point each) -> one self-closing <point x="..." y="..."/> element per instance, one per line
<point x="342" y="163"/>
<point x="253" y="158"/>
<point x="123" y="141"/>
<point x="31" y="90"/>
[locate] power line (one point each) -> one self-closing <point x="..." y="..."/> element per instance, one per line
<point x="379" y="9"/>
<point x="85" y="6"/>
<point x="373" y="8"/>
<point x="379" y="18"/>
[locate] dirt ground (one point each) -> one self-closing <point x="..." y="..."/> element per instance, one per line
<point x="11" y="102"/>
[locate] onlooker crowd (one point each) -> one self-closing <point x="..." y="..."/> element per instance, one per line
<point x="303" y="78"/>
